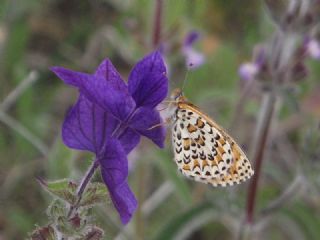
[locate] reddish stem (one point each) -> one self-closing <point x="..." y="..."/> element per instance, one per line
<point x="87" y="178"/>
<point x="261" y="139"/>
<point x="157" y="23"/>
<point x="84" y="182"/>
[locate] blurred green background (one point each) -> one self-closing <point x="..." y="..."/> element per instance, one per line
<point x="35" y="35"/>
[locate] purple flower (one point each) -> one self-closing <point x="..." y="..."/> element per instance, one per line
<point x="193" y="58"/>
<point x="110" y="116"/>
<point x="249" y="70"/>
<point x="313" y="48"/>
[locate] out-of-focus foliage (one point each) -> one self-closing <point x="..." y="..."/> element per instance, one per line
<point x="35" y="35"/>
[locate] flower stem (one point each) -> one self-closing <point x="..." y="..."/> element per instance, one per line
<point x="87" y="178"/>
<point x="157" y="23"/>
<point x="260" y="140"/>
<point x="84" y="182"/>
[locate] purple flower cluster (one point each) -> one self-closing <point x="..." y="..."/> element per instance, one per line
<point x="297" y="23"/>
<point x="259" y="67"/>
<point x="110" y="116"/>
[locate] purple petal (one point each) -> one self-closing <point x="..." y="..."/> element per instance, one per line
<point x="143" y="122"/>
<point x="148" y="83"/>
<point x="114" y="169"/>
<point x="105" y="88"/>
<point x="87" y="126"/>
<point x="248" y="71"/>
<point x="109" y="91"/>
<point x="70" y="77"/>
<point x="191" y="38"/>
<point x="129" y="140"/>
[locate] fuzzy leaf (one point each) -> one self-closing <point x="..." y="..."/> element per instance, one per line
<point x="56" y="209"/>
<point x="63" y="189"/>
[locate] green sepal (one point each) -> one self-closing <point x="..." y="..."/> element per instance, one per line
<point x="94" y="194"/>
<point x="63" y="189"/>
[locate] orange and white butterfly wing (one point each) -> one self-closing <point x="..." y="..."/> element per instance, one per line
<point x="204" y="152"/>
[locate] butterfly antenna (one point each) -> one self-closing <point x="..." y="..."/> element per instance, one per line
<point x="185" y="77"/>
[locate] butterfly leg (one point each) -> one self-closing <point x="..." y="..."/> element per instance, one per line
<point x="165" y="123"/>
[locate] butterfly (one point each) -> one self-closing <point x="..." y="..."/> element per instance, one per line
<point x="204" y="151"/>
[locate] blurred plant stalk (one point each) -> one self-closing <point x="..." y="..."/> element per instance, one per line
<point x="156" y="35"/>
<point x="262" y="130"/>
<point x="10" y="100"/>
<point x="279" y="64"/>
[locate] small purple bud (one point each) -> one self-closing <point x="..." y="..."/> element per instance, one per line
<point x="248" y="71"/>
<point x="191" y="38"/>
<point x="313" y="49"/>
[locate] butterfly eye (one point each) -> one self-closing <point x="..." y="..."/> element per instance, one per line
<point x="178" y="96"/>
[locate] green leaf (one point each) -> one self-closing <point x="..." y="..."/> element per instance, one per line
<point x="66" y="190"/>
<point x="186" y="222"/>
<point x="94" y="194"/>
<point x="63" y="189"/>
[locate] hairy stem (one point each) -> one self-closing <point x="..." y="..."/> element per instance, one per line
<point x="260" y="140"/>
<point x="84" y="182"/>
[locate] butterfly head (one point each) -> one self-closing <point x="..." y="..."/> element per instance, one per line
<point x="177" y="95"/>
